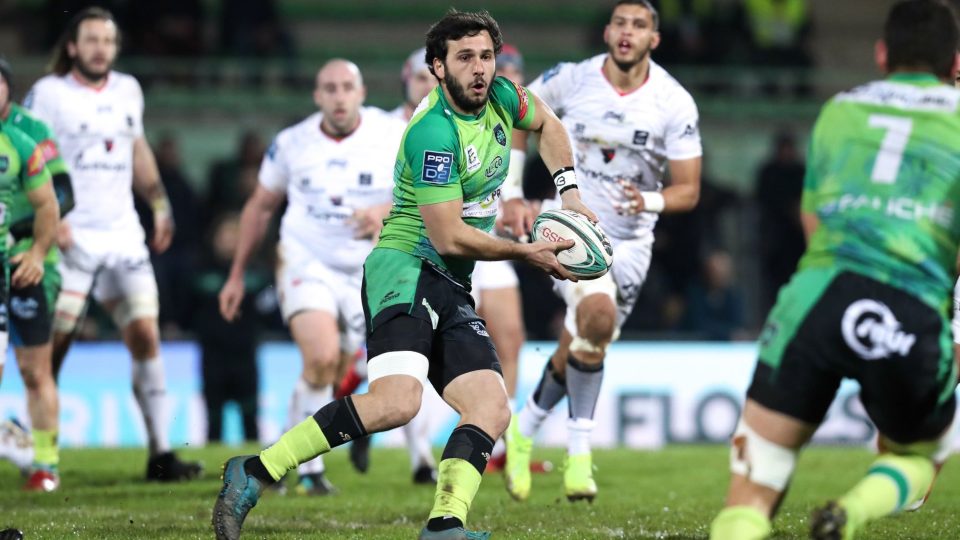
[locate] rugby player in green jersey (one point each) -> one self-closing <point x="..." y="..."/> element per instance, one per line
<point x="30" y="308"/>
<point x="421" y="323"/>
<point x="870" y="298"/>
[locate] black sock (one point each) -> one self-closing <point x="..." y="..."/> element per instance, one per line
<point x="438" y="524"/>
<point x="340" y="422"/>
<point x="551" y="388"/>
<point x="469" y="443"/>
<point x="254" y="467"/>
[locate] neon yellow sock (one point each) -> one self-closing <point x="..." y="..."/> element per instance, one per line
<point x="302" y="443"/>
<point x="46" y="453"/>
<point x="457" y="484"/>
<point x="740" y="523"/>
<point x="892" y="483"/>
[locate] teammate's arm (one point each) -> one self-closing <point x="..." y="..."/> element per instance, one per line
<point x="253" y="226"/>
<point x="557" y="155"/>
<point x="452" y="237"/>
<point x="46" y="217"/>
<point x="147" y="184"/>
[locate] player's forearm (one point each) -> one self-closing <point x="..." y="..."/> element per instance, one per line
<point x="146" y="178"/>
<point x="253" y="227"/>
<point x="680" y="198"/>
<point x="470" y="243"/>
<point x="45" y="221"/>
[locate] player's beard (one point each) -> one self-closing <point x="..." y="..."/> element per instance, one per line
<point x="627" y="65"/>
<point x="88" y="72"/>
<point x="459" y="95"/>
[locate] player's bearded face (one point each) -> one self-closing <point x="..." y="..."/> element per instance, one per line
<point x="4" y="95"/>
<point x="95" y="50"/>
<point x="630" y="36"/>
<point x="468" y="71"/>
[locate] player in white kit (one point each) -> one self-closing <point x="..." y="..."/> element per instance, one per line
<point x="335" y="169"/>
<point x="628" y="120"/>
<point x="97" y="116"/>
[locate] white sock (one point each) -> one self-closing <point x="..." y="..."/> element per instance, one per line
<point x="499" y="448"/>
<point x="305" y="401"/>
<point x="417" y="433"/>
<point x="578" y="435"/>
<point x="530" y="418"/>
<point x="150" y="390"/>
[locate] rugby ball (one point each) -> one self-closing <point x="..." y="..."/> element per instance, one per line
<point x="591" y="255"/>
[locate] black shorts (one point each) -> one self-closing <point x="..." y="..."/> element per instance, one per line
<point x="436" y="319"/>
<point x="828" y="326"/>
<point x="31" y="309"/>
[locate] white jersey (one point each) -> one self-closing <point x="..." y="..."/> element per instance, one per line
<point x="95" y="129"/>
<point x="326" y="179"/>
<point x="620" y="136"/>
<point x="400" y="113"/>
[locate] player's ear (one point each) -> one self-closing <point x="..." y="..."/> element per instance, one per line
<point x="655" y="40"/>
<point x="438" y="68"/>
<point x="363" y="93"/>
<point x="317" y="99"/>
<point x="880" y="55"/>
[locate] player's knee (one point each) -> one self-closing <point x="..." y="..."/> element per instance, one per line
<point x="761" y="461"/>
<point x="134" y="308"/>
<point x="596" y="319"/>
<point x="936" y="449"/>
<point x="143" y="338"/>
<point x="499" y="416"/>
<point x="68" y="311"/>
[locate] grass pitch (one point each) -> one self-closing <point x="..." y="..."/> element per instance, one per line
<point x="669" y="494"/>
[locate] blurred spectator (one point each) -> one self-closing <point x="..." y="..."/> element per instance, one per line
<point x="779" y="189"/>
<point x="780" y="32"/>
<point x="168" y="29"/>
<point x="228" y="350"/>
<point x="253" y="29"/>
<point x="232" y="180"/>
<point x="174" y="267"/>
<point x="714" y="307"/>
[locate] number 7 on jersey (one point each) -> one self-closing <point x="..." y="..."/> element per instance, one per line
<point x="887" y="165"/>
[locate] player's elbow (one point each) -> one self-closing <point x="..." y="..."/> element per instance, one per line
<point x="445" y="243"/>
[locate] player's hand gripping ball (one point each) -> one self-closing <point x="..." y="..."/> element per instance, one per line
<point x="590" y="257"/>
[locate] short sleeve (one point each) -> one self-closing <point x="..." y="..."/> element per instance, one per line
<point x="430" y="150"/>
<point x="137" y="97"/>
<point x="42" y="103"/>
<point x="48" y="147"/>
<point x="274" y="174"/>
<point x="515" y="99"/>
<point x="34" y="173"/>
<point x="682" y="137"/>
<point x="553" y="84"/>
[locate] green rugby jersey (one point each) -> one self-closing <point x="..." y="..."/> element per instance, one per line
<point x="446" y="156"/>
<point x="883" y="177"/>
<point x="20" y="207"/>
<point x="21" y="168"/>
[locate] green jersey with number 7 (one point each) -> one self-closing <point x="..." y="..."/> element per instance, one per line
<point x="883" y="179"/>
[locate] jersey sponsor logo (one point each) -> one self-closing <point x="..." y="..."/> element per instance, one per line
<point x="24" y="308"/>
<point x="689" y="131"/>
<point x="579" y="129"/>
<point x="477" y="327"/>
<point x="608" y="154"/>
<point x="487" y="207"/>
<point x="4" y="164"/>
<point x="872" y="331"/>
<point x="473" y="158"/>
<point x="551" y="73"/>
<point x="640" y="137"/>
<point x="365" y="179"/>
<point x="129" y="121"/>
<point x="494" y="167"/>
<point x="437" y="166"/>
<point x="500" y="134"/>
<point x="36" y="163"/>
<point x="49" y="149"/>
<point x="904" y="208"/>
<point x="524" y="101"/>
<point x="614" y="117"/>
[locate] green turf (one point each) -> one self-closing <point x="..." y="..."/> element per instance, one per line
<point x="671" y="494"/>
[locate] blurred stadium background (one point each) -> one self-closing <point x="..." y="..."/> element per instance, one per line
<point x="221" y="77"/>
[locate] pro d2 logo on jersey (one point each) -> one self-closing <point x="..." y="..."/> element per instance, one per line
<point x="436" y="167"/>
<point x="500" y="135"/>
<point x="872" y="331"/>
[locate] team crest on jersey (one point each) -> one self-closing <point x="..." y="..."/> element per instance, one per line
<point x="640" y="137"/>
<point x="108" y="144"/>
<point x="500" y="134"/>
<point x="4" y="164"/>
<point x="689" y="131"/>
<point x="129" y="121"/>
<point x="366" y="179"/>
<point x="436" y="167"/>
<point x="336" y="200"/>
<point x="608" y="154"/>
